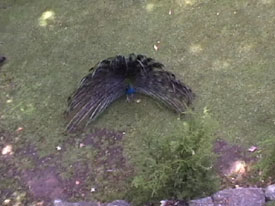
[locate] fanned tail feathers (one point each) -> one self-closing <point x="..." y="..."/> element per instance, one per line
<point x="96" y="92"/>
<point x="163" y="85"/>
<point x="110" y="79"/>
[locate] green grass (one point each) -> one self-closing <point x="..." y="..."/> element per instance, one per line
<point x="223" y="49"/>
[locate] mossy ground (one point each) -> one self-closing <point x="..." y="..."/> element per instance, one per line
<point x="223" y="49"/>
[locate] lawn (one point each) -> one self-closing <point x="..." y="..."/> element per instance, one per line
<point x="224" y="50"/>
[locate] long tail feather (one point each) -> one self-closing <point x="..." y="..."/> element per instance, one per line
<point x="163" y="85"/>
<point x="90" y="108"/>
<point x="114" y="77"/>
<point x="95" y="93"/>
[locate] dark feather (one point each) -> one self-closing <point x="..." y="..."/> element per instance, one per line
<point x="2" y="60"/>
<point x="111" y="78"/>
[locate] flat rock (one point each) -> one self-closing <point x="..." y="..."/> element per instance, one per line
<point x="114" y="203"/>
<point x="270" y="192"/>
<point x="173" y="203"/>
<point x="119" y="203"/>
<point x="200" y="202"/>
<point x="239" y="197"/>
<point x="64" y="203"/>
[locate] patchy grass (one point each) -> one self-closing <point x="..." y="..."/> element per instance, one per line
<point x="222" y="49"/>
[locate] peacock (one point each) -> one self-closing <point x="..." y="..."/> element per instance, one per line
<point x="117" y="76"/>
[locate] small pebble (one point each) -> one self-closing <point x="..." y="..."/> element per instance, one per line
<point x="163" y="202"/>
<point x="19" y="129"/>
<point x="40" y="203"/>
<point x="7" y="150"/>
<point x="6" y="201"/>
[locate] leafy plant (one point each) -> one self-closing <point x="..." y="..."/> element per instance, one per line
<point x="177" y="166"/>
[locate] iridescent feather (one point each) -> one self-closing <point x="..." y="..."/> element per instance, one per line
<point x="115" y="77"/>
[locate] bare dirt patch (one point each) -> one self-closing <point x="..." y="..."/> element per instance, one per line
<point x="234" y="164"/>
<point x="44" y="184"/>
<point x="44" y="179"/>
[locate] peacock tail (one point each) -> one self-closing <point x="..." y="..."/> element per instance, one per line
<point x="115" y="77"/>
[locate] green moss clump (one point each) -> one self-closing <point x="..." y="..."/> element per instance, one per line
<point x="177" y="166"/>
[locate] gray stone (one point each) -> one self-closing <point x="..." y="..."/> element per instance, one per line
<point x="202" y="202"/>
<point x="119" y="203"/>
<point x="239" y="197"/>
<point x="114" y="203"/>
<point x="270" y="192"/>
<point x="64" y="203"/>
<point x="173" y="203"/>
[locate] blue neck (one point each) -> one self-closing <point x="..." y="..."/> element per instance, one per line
<point x="130" y="89"/>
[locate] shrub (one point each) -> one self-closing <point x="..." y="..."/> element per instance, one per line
<point x="178" y="166"/>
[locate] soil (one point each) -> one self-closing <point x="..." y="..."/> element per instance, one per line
<point x="234" y="165"/>
<point x="44" y="181"/>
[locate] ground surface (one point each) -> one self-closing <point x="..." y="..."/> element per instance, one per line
<point x="223" y="49"/>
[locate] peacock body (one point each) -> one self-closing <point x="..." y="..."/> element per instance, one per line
<point x="115" y="77"/>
